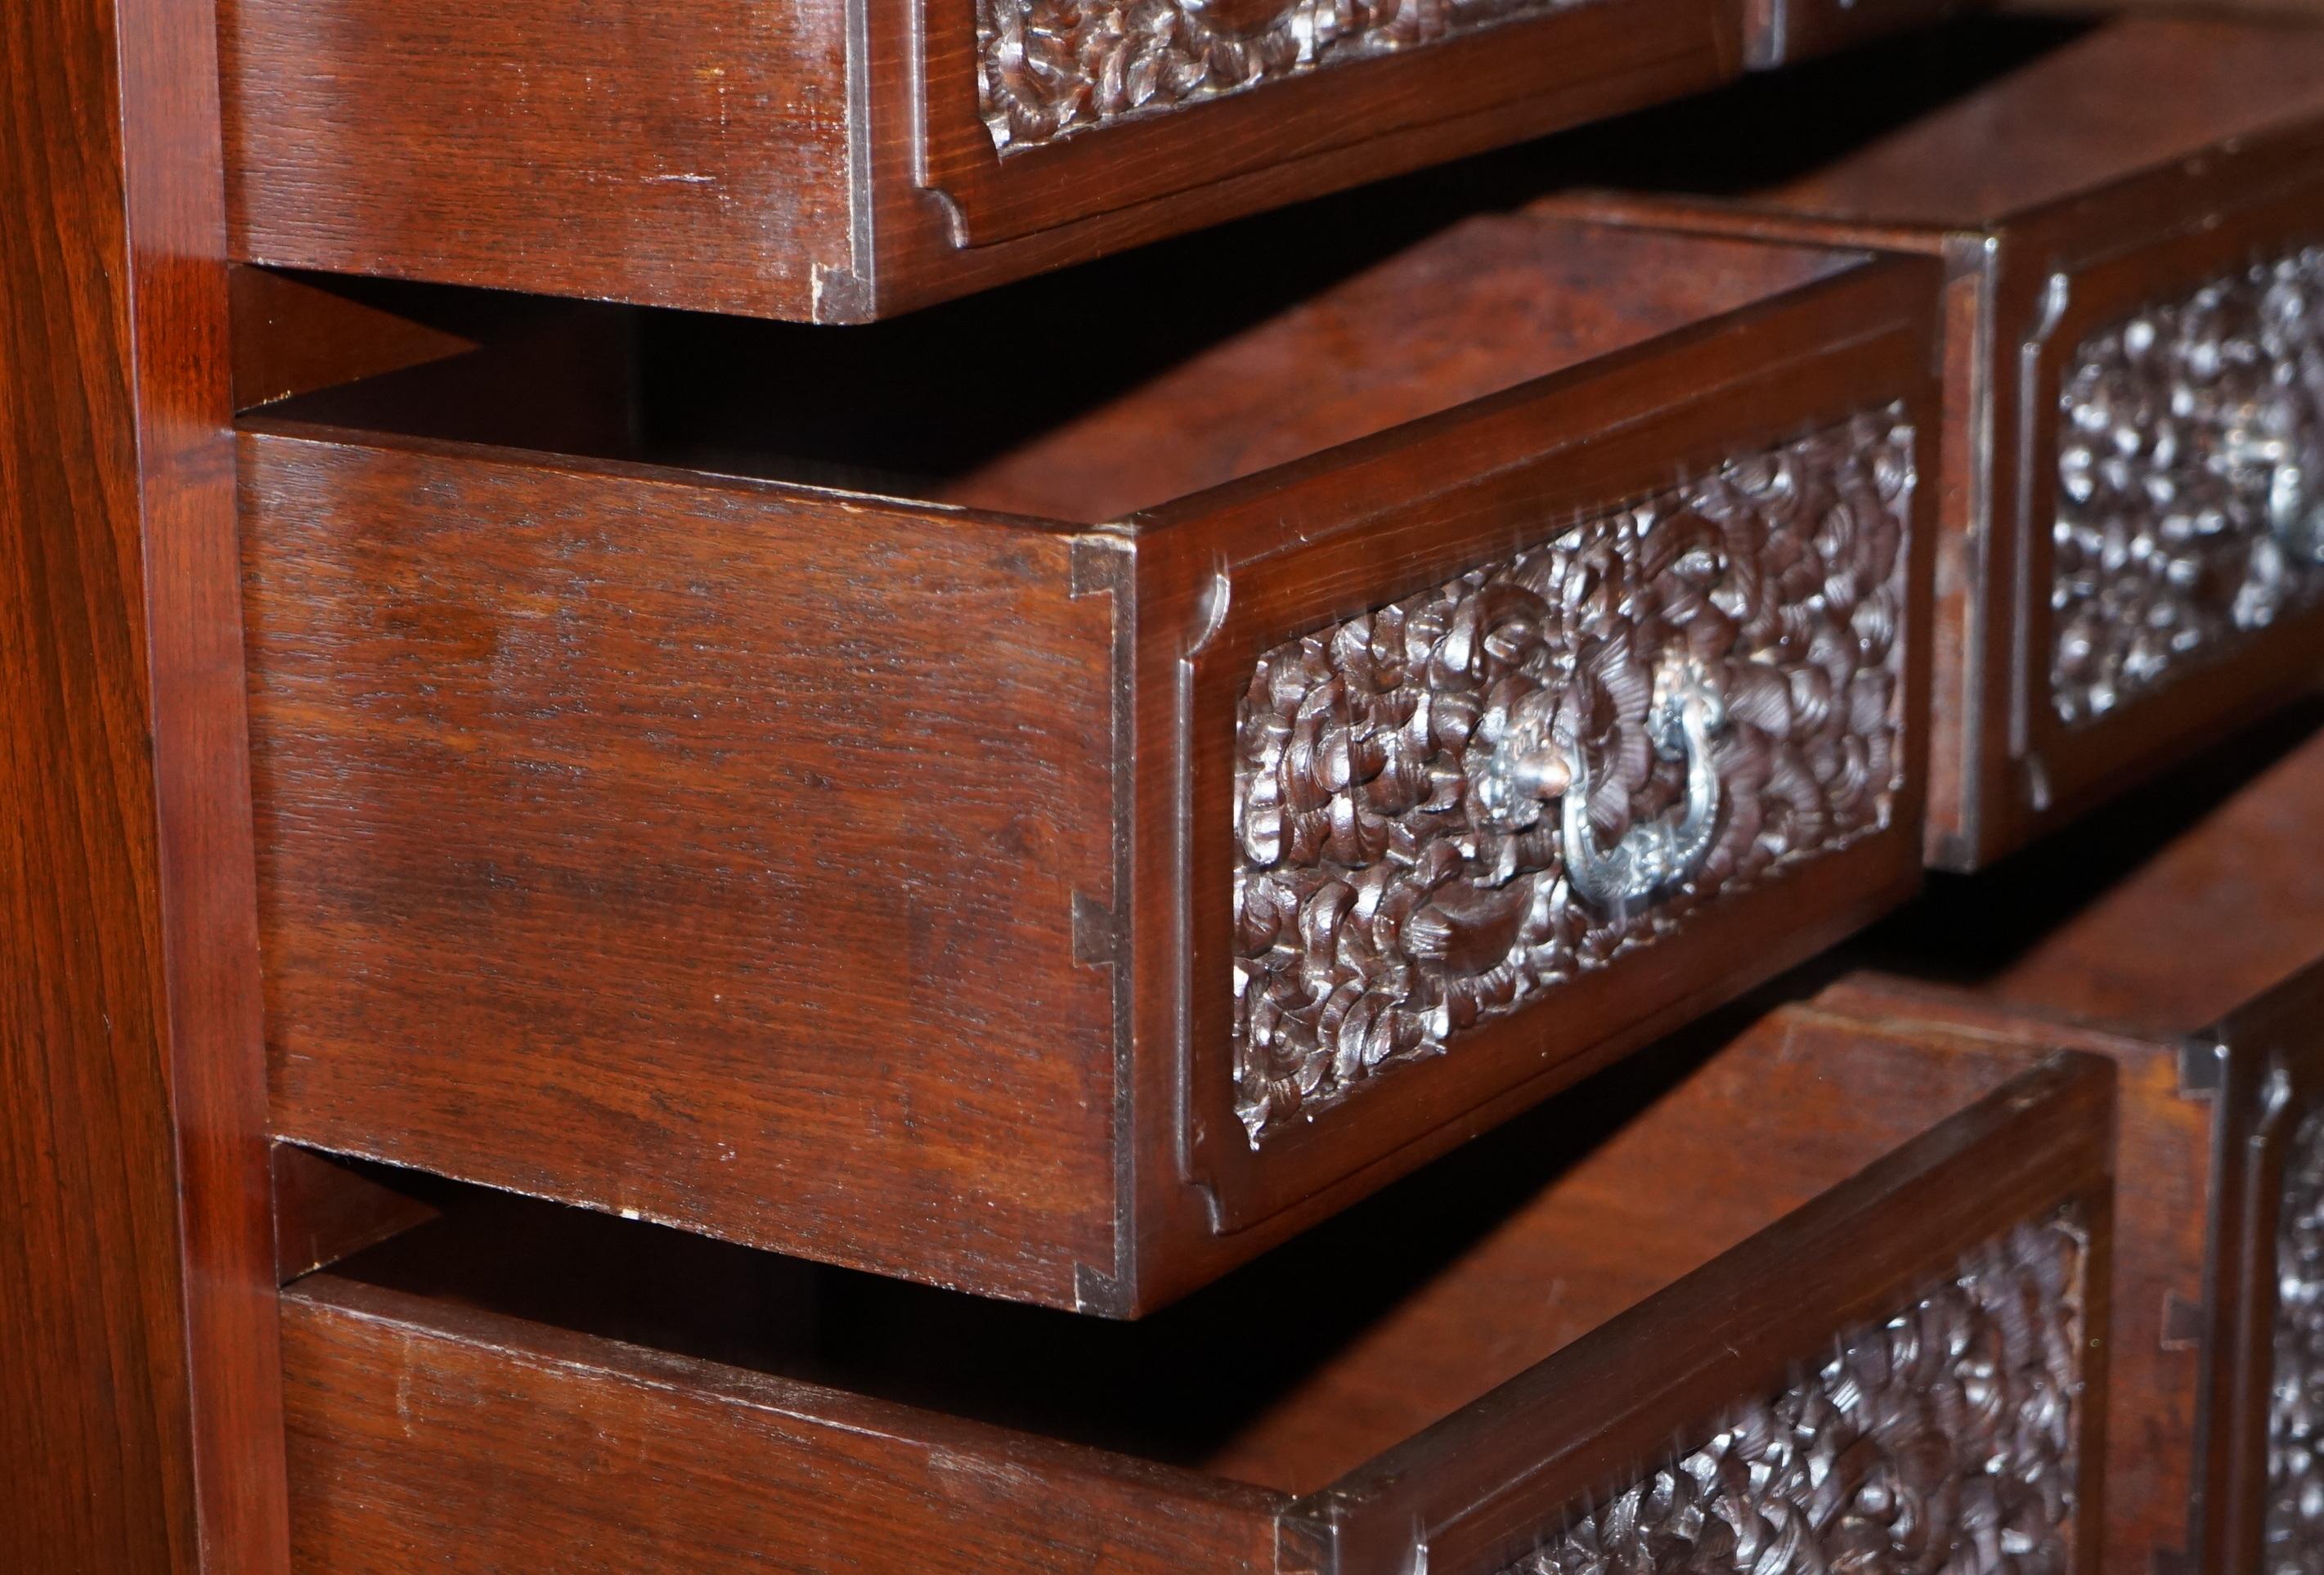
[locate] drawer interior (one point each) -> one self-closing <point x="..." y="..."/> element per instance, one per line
<point x="1094" y="393"/>
<point x="1301" y="1366"/>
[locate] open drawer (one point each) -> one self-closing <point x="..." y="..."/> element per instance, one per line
<point x="2214" y="1462"/>
<point x="2132" y="219"/>
<point x="1353" y="730"/>
<point x="835" y="160"/>
<point x="1818" y="1289"/>
<point x="2181" y="934"/>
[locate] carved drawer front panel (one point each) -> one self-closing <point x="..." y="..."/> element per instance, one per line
<point x="2132" y="509"/>
<point x="2191" y="487"/>
<point x="1048" y="69"/>
<point x="1449" y="807"/>
<point x="1943" y="1439"/>
<point x="1872" y="1354"/>
<point x="2294" y="1522"/>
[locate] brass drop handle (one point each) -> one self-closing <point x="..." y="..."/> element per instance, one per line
<point x="2294" y="517"/>
<point x="1531" y="768"/>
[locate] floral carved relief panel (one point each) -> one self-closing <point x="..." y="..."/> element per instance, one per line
<point x="2190" y="482"/>
<point x="1450" y="805"/>
<point x="1050" y="69"/>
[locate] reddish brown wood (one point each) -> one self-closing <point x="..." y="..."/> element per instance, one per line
<point x="298" y="332"/>
<point x="2159" y="915"/>
<point x="862" y="998"/>
<point x="684" y="1431"/>
<point x="1777" y="33"/>
<point x="1477" y="1491"/>
<point x="820" y="162"/>
<point x="2184" y="922"/>
<point x="891" y="1008"/>
<point x="2123" y="168"/>
<point x="2166" y="1211"/>
<point x="138" y="1378"/>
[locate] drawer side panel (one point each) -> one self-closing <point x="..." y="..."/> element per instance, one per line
<point x="499" y="1445"/>
<point x="704" y="853"/>
<point x="692" y="154"/>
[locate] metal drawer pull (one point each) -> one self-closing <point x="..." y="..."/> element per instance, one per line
<point x="1534" y="767"/>
<point x="2295" y="516"/>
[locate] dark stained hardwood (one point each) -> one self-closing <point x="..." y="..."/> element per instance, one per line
<point x="139" y="1421"/>
<point x="813" y="163"/>
<point x="298" y="332"/>
<point x="2166" y="1210"/>
<point x="2158" y="915"/>
<point x="914" y="1002"/>
<point x="1516" y="1332"/>
<point x="2099" y="176"/>
<point x="2178" y="931"/>
<point x="326" y="1209"/>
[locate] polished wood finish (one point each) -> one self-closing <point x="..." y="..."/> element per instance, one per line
<point x="2166" y="1210"/>
<point x="1479" y="1351"/>
<point x="2121" y="168"/>
<point x="2156" y="916"/>
<point x="139" y="1391"/>
<point x="2177" y="932"/>
<point x="810" y="162"/>
<point x="1777" y="33"/>
<point x="917" y="1005"/>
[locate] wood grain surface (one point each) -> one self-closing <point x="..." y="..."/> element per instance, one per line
<point x="699" y="851"/>
<point x="811" y="164"/>
<point x="1487" y="1332"/>
<point x="140" y="1427"/>
<point x="759" y="857"/>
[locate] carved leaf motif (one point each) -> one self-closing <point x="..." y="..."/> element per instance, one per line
<point x="1940" y="1442"/>
<point x="2176" y="431"/>
<point x="1368" y="898"/>
<point x="2294" y="1526"/>
<point x="1048" y="69"/>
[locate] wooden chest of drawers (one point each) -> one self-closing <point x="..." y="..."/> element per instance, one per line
<point x="1069" y="903"/>
<point x="2218" y="1272"/>
<point x="1698" y="1310"/>
<point x="1142" y="884"/>
<point x="2135" y="492"/>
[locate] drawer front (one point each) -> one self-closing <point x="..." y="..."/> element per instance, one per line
<point x="2261" y="1455"/>
<point x="2292" y="1529"/>
<point x="1506" y="749"/>
<point x="1904" y="1372"/>
<point x="1950" y="1423"/>
<point x="1449" y="807"/>
<point x="1038" y="113"/>
<point x="2170" y="485"/>
<point x="771" y="863"/>
<point x="2190" y="482"/>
